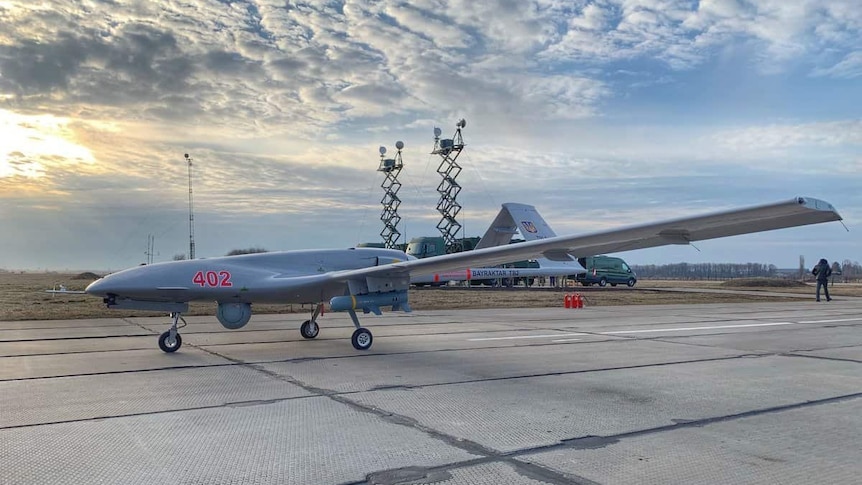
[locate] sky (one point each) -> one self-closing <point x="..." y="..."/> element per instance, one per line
<point x="600" y="113"/>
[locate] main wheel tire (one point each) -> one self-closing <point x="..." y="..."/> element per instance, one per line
<point x="603" y="282"/>
<point x="361" y="339"/>
<point x="613" y="284"/>
<point x="309" y="329"/>
<point x="167" y="346"/>
<point x="631" y="282"/>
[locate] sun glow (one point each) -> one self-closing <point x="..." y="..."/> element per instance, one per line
<point x="32" y="143"/>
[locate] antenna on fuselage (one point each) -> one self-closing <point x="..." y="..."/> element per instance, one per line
<point x="391" y="167"/>
<point x="449" y="149"/>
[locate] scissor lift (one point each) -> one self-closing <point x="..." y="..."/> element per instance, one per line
<point x="449" y="149"/>
<point x="391" y="167"/>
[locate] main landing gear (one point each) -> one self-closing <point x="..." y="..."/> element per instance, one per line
<point x="361" y="338"/>
<point x="171" y="341"/>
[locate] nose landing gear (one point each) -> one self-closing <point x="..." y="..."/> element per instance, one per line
<point x="171" y="341"/>
<point x="309" y="329"/>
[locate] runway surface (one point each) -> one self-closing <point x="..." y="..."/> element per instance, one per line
<point x="748" y="393"/>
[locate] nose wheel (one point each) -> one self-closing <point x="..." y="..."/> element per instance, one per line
<point x="170" y="344"/>
<point x="171" y="341"/>
<point x="309" y="329"/>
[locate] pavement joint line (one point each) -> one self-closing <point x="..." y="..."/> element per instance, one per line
<point x="141" y="326"/>
<point x="116" y="372"/>
<point x="440" y="473"/>
<point x="73" y="352"/>
<point x="516" y="337"/>
<point x="561" y="373"/>
<point x="716" y="334"/>
<point x="815" y="349"/>
<point x="627" y="332"/>
<point x="53" y="339"/>
<point x="819" y="357"/>
<point x="258" y="367"/>
<point x="834" y="321"/>
<point x="236" y="362"/>
<point x="106" y="325"/>
<point x="161" y="411"/>
<point x="345" y="338"/>
<point x="685" y="329"/>
<point x="687" y="322"/>
<point x="594" y="442"/>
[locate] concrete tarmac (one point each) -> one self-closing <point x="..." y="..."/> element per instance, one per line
<point x="747" y="393"/>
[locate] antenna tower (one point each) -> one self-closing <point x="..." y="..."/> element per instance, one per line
<point x="191" y="211"/>
<point x="391" y="167"/>
<point x="449" y="149"/>
<point x="151" y="246"/>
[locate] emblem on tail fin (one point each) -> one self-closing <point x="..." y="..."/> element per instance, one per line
<point x="529" y="227"/>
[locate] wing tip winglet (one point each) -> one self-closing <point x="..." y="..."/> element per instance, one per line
<point x="818" y="204"/>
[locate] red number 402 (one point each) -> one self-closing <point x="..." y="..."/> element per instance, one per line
<point x="212" y="279"/>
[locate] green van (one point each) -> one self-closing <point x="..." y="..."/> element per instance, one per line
<point x="604" y="270"/>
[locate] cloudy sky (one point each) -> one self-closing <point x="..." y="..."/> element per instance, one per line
<point x="601" y="113"/>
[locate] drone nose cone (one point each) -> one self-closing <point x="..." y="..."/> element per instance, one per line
<point x="96" y="287"/>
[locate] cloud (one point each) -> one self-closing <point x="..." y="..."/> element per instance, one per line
<point x="787" y="139"/>
<point x="684" y="34"/>
<point x="848" y="68"/>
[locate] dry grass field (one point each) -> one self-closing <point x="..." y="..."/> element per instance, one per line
<point x="23" y="297"/>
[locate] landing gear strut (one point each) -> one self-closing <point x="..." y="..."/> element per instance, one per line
<point x="361" y="338"/>
<point x="171" y="341"/>
<point x="310" y="328"/>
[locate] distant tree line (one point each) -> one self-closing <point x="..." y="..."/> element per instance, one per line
<point x="252" y="250"/>
<point x="850" y="270"/>
<point x="847" y="271"/>
<point x="232" y="252"/>
<point x="706" y="271"/>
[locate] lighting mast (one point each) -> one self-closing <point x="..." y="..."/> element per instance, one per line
<point x="391" y="167"/>
<point x="191" y="211"/>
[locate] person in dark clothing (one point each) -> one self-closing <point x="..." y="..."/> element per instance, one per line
<point x="822" y="271"/>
